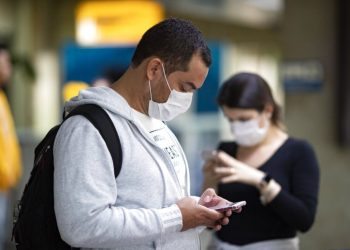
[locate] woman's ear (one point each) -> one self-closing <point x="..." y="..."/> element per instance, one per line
<point x="154" y="68"/>
<point x="268" y="110"/>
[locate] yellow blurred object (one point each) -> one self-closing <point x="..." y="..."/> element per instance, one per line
<point x="10" y="154"/>
<point x="71" y="89"/>
<point x="116" y="22"/>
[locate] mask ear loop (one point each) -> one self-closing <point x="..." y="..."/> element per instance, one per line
<point x="150" y="90"/>
<point x="166" y="80"/>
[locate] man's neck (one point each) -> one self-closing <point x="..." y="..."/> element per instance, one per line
<point x="133" y="89"/>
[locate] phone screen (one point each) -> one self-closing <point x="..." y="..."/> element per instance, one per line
<point x="229" y="206"/>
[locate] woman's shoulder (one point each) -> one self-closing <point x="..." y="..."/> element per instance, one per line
<point x="299" y="145"/>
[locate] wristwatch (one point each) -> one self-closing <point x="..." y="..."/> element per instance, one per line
<point x="265" y="181"/>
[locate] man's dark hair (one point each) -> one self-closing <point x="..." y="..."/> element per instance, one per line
<point x="3" y="46"/>
<point x="113" y="74"/>
<point x="248" y="91"/>
<point x="174" y="41"/>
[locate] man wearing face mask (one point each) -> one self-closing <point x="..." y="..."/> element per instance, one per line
<point x="148" y="206"/>
<point x="276" y="174"/>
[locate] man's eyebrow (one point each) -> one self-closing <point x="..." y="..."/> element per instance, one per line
<point x="192" y="85"/>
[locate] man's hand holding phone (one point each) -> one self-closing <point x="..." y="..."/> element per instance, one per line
<point x="199" y="214"/>
<point x="214" y="202"/>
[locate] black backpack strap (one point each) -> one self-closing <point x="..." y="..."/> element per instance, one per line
<point x="103" y="123"/>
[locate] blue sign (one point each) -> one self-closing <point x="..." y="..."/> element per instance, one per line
<point x="302" y="75"/>
<point x="86" y="63"/>
<point x="206" y="95"/>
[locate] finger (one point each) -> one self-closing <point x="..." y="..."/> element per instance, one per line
<point x="207" y="196"/>
<point x="225" y="158"/>
<point x="222" y="173"/>
<point x="217" y="227"/>
<point x="217" y="200"/>
<point x="229" y="179"/>
<point x="209" y="192"/>
<point x="238" y="210"/>
<point x="228" y="213"/>
<point x="225" y="170"/>
<point x="213" y="215"/>
<point x="225" y="221"/>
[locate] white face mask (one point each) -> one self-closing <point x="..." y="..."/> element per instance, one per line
<point x="177" y="103"/>
<point x="248" y="133"/>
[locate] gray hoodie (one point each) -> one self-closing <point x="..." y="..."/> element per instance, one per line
<point x="135" y="211"/>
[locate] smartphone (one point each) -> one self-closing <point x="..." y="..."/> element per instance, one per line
<point x="208" y="154"/>
<point x="229" y="206"/>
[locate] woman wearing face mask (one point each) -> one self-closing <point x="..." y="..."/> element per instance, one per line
<point x="276" y="174"/>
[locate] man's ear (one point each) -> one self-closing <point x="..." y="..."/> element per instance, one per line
<point x="154" y="68"/>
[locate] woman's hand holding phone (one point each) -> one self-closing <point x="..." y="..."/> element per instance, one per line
<point x="233" y="170"/>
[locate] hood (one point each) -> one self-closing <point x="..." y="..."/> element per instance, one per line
<point x="105" y="97"/>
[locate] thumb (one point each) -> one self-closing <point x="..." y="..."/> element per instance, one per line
<point x="226" y="159"/>
<point x="207" y="196"/>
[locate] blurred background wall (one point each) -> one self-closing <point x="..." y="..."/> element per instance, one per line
<point x="275" y="38"/>
<point x="310" y="31"/>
